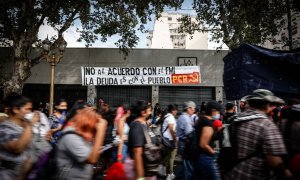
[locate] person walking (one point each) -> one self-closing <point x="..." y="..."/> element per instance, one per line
<point x="57" y="120"/>
<point x="205" y="167"/>
<point x="123" y="131"/>
<point x="259" y="142"/>
<point x="15" y="138"/>
<point x="184" y="128"/>
<point x="80" y="144"/>
<point x="140" y="135"/>
<point x="169" y="133"/>
<point x="230" y="111"/>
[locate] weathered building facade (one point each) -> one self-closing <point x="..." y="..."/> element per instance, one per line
<point x="68" y="77"/>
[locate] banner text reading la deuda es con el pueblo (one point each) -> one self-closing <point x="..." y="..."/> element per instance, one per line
<point x="97" y="76"/>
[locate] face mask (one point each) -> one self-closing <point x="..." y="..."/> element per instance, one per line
<point x="62" y="110"/>
<point x="230" y="113"/>
<point x="216" y="117"/>
<point x="28" y="116"/>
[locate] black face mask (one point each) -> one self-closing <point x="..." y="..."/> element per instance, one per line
<point x="61" y="110"/>
<point x="230" y="113"/>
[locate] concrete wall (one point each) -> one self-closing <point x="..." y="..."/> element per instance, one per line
<point x="68" y="70"/>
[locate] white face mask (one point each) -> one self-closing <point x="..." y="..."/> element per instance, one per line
<point x="28" y="116"/>
<point x="216" y="117"/>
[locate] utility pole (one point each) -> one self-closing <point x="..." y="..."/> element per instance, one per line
<point x="290" y="40"/>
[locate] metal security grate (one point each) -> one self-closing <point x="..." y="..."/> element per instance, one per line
<point x="115" y="95"/>
<point x="178" y="95"/>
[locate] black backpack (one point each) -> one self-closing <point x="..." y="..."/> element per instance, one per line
<point x="228" y="158"/>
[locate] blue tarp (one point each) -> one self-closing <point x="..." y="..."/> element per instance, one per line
<point x="252" y="67"/>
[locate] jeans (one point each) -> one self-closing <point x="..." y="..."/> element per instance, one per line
<point x="188" y="169"/>
<point x="188" y="166"/>
<point x="205" y="167"/>
<point x="181" y="144"/>
<point x="125" y="151"/>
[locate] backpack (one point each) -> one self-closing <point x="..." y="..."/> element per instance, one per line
<point x="228" y="158"/>
<point x="45" y="168"/>
<point x="165" y="141"/>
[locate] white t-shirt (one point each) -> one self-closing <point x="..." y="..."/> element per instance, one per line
<point x="170" y="119"/>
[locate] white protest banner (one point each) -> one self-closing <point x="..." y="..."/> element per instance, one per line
<point x="97" y="76"/>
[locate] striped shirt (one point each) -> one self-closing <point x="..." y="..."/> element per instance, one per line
<point x="260" y="135"/>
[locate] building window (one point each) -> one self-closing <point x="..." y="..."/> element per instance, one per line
<point x="169" y="18"/>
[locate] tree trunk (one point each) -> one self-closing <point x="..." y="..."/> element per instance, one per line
<point x="21" y="71"/>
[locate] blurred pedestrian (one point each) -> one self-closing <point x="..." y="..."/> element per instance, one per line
<point x="139" y="136"/>
<point x="230" y="110"/>
<point x="168" y="131"/>
<point x="15" y="138"/>
<point x="184" y="129"/>
<point x="79" y="147"/>
<point x="205" y="167"/>
<point x="122" y="127"/>
<point x="57" y="120"/>
<point x="260" y="145"/>
<point x="291" y="134"/>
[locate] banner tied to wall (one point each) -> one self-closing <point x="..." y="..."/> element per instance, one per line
<point x="174" y="75"/>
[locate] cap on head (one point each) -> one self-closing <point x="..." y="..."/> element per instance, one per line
<point x="189" y="104"/>
<point x="264" y="95"/>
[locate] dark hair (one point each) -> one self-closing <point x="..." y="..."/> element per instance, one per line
<point x="292" y="102"/>
<point x="212" y="105"/>
<point x="229" y="106"/>
<point x="140" y="106"/>
<point x="258" y="104"/>
<point x="79" y="104"/>
<point x="172" y="107"/>
<point x="1" y="107"/>
<point x="57" y="103"/>
<point x="125" y="106"/>
<point x="15" y="101"/>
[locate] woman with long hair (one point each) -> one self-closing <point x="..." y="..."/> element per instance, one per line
<point x="57" y="120"/>
<point x="123" y="131"/>
<point x="137" y="140"/>
<point x="80" y="145"/>
<point x="15" y="138"/>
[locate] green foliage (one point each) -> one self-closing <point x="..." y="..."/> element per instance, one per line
<point x="20" y="20"/>
<point x="237" y="21"/>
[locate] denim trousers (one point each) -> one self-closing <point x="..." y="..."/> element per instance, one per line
<point x="188" y="166"/>
<point x="188" y="169"/>
<point x="205" y="167"/>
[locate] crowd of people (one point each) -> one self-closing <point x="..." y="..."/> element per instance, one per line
<point x="256" y="138"/>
